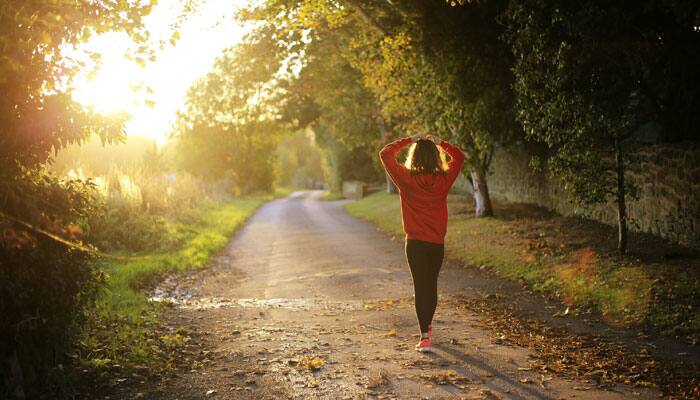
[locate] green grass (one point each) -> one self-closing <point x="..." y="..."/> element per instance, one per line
<point x="124" y="329"/>
<point x="381" y="209"/>
<point x="574" y="260"/>
<point x="332" y="196"/>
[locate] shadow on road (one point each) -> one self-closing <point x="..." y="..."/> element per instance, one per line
<point x="509" y="384"/>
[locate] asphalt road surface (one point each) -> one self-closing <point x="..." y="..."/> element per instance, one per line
<point x="309" y="302"/>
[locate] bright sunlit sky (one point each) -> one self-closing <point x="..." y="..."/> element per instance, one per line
<point x="115" y="86"/>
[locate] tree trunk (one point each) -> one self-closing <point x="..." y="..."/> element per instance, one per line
<point x="383" y="133"/>
<point x="390" y="187"/>
<point x="482" y="199"/>
<point x="621" y="205"/>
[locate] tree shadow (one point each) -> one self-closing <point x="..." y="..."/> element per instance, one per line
<point x="503" y="385"/>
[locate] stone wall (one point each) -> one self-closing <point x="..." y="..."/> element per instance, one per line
<point x="353" y="189"/>
<point x="667" y="177"/>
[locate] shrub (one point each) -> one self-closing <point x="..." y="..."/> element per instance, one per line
<point x="45" y="283"/>
<point x="137" y="207"/>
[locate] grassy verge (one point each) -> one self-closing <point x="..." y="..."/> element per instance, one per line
<point x="332" y="196"/>
<point x="572" y="259"/>
<point x="122" y="334"/>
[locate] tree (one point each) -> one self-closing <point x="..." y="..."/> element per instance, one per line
<point x="326" y="92"/>
<point x="588" y="75"/>
<point x="37" y="114"/>
<point x="444" y="70"/>
<point x="300" y="161"/>
<point x="347" y="121"/>
<point x="232" y="119"/>
<point x="45" y="281"/>
<point x="430" y="68"/>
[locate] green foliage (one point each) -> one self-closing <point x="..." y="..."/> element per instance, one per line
<point x="232" y="122"/>
<point x="347" y="126"/>
<point x="134" y="204"/>
<point x="36" y="112"/>
<point x="570" y="100"/>
<point x="345" y="109"/>
<point x="440" y="70"/>
<point x="299" y="160"/>
<point x="242" y="155"/>
<point x="347" y="163"/>
<point x="589" y="75"/>
<point x="41" y="304"/>
<point x="45" y="283"/>
<point x="573" y="98"/>
<point x="123" y="228"/>
<point x="123" y="330"/>
<point x="424" y="68"/>
<point x="327" y="95"/>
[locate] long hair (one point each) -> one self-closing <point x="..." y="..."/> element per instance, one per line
<point x="424" y="157"/>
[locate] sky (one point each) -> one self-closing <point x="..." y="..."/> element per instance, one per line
<point x="120" y="84"/>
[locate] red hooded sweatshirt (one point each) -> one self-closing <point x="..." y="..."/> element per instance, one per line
<point x="423" y="196"/>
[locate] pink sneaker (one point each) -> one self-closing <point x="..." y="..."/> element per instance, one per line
<point x="424" y="346"/>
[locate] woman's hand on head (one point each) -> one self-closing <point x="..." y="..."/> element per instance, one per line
<point x="434" y="139"/>
<point x="417" y="137"/>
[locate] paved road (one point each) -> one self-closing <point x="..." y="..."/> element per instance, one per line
<point x="309" y="302"/>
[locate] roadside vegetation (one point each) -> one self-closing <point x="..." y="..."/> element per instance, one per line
<point x="123" y="333"/>
<point x="571" y="259"/>
<point x="147" y="220"/>
<point x="152" y="223"/>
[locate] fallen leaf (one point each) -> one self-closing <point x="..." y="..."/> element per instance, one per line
<point x="310" y="363"/>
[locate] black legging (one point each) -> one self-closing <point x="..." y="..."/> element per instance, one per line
<point x="425" y="261"/>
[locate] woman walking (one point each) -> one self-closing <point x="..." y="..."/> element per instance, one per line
<point x="423" y="184"/>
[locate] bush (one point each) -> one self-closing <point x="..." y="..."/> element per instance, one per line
<point x="42" y="299"/>
<point x="124" y="228"/>
<point x="137" y="208"/>
<point x="46" y="284"/>
<point x="299" y="161"/>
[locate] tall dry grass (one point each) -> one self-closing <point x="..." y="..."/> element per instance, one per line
<point x="138" y="209"/>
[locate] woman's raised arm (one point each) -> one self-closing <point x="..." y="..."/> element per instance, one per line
<point x="456" y="162"/>
<point x="388" y="154"/>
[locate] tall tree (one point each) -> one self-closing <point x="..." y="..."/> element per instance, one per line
<point x="232" y="119"/>
<point x="422" y="78"/>
<point x="37" y="113"/>
<point x="444" y="71"/>
<point x="589" y="74"/>
<point x="45" y="282"/>
<point x="326" y="93"/>
<point x="347" y="120"/>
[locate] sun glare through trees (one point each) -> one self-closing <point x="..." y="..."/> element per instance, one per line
<point x="184" y="38"/>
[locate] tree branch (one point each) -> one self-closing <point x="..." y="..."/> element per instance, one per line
<point x="365" y="17"/>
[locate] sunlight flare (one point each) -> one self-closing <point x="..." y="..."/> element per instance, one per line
<point x="152" y="92"/>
